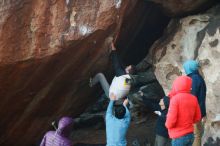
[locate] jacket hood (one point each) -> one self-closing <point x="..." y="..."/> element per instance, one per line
<point x="182" y="84"/>
<point x="190" y="66"/>
<point x="65" y="126"/>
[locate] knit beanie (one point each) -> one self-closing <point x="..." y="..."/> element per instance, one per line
<point x="190" y="66"/>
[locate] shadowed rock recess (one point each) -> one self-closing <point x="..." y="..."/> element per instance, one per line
<point x="49" y="49"/>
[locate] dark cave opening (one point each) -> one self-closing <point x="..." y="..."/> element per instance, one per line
<point x="139" y="30"/>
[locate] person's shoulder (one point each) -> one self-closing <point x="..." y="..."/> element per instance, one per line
<point x="192" y="98"/>
<point x="176" y="97"/>
<point x="196" y="76"/>
<point x="50" y="133"/>
<point x="120" y="121"/>
<point x="110" y="118"/>
<point x="125" y="121"/>
<point x="180" y="97"/>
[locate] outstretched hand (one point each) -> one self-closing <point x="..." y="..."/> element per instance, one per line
<point x="113" y="46"/>
<point x="204" y="119"/>
<point x="112" y="96"/>
<point x="141" y="93"/>
<point x="125" y="103"/>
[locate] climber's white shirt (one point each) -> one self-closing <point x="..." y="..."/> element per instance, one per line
<point x="119" y="86"/>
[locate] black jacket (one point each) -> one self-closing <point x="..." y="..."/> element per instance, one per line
<point x="160" y="125"/>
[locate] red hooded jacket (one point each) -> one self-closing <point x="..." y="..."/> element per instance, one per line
<point x="184" y="109"/>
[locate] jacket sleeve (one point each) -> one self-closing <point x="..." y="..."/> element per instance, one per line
<point x="143" y="65"/>
<point x="172" y="113"/>
<point x="195" y="86"/>
<point x="199" y="90"/>
<point x="151" y="104"/>
<point x="109" y="110"/>
<point x="43" y="142"/>
<point x="143" y="78"/>
<point x="117" y="65"/>
<point x="197" y="116"/>
<point x="203" y="101"/>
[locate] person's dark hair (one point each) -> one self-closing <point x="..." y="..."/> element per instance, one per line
<point x="120" y="111"/>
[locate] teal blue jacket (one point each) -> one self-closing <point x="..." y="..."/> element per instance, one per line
<point x="116" y="129"/>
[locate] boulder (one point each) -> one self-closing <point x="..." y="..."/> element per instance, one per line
<point x="193" y="37"/>
<point x="50" y="49"/>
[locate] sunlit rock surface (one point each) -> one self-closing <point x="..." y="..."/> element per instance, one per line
<point x="193" y="37"/>
<point x="49" y="50"/>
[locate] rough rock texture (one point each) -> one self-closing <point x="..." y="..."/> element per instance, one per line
<point x="193" y="37"/>
<point x="183" y="7"/>
<point x="48" y="51"/>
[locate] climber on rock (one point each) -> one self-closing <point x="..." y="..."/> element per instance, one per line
<point x="161" y="109"/>
<point x="142" y="79"/>
<point x="120" y="86"/>
<point x="118" y="123"/>
<point x="60" y="137"/>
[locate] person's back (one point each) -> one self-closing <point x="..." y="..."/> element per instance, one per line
<point x="60" y="136"/>
<point x="116" y="128"/>
<point x="53" y="139"/>
<point x="187" y="105"/>
<point x="198" y="83"/>
<point x="191" y="68"/>
<point x="183" y="112"/>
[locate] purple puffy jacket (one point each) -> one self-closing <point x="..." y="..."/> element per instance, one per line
<point x="60" y="136"/>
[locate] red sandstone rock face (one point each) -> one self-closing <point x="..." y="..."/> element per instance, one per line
<point x="48" y="51"/>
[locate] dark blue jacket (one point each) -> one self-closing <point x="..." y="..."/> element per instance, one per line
<point x="160" y="125"/>
<point x="199" y="90"/>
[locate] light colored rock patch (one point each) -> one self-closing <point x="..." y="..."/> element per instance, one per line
<point x="192" y="41"/>
<point x="181" y="48"/>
